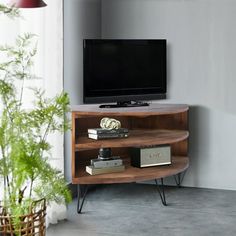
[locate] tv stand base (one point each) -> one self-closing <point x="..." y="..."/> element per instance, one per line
<point x="125" y="104"/>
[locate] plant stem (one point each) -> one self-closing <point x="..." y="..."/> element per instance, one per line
<point x="46" y="132"/>
<point x="4" y="169"/>
<point x="31" y="187"/>
<point x="6" y="178"/>
<point x="21" y="194"/>
<point x="21" y="93"/>
<point x="5" y="101"/>
<point x="23" y="80"/>
<point x="8" y="186"/>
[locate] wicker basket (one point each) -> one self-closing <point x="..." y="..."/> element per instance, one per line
<point x="32" y="224"/>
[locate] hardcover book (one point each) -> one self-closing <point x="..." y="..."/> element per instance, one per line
<point x="107" y="131"/>
<point x="97" y="171"/>
<point x="107" y="136"/>
<point x="107" y="163"/>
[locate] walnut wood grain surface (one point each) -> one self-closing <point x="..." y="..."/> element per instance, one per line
<point x="136" y="138"/>
<point x="153" y="109"/>
<point x="132" y="174"/>
<point x="154" y="125"/>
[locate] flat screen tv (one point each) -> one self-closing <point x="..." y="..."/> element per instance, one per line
<point x="124" y="70"/>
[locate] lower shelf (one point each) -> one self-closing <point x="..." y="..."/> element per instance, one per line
<point x="133" y="174"/>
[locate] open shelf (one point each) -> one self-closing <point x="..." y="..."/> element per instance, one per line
<point x="157" y="124"/>
<point x="133" y="174"/>
<point x="136" y="138"/>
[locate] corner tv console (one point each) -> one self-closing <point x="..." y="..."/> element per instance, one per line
<point x="154" y="125"/>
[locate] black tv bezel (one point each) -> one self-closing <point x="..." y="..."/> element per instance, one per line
<point x="123" y="98"/>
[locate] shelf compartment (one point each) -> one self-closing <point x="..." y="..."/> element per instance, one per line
<point x="132" y="174"/>
<point x="136" y="138"/>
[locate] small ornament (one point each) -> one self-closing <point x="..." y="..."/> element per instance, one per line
<point x="110" y="123"/>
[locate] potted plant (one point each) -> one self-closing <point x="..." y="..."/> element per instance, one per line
<point x="27" y="181"/>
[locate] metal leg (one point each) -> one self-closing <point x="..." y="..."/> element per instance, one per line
<point x="161" y="191"/>
<point x="179" y="178"/>
<point x="82" y="192"/>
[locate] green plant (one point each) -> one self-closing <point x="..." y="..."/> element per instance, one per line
<point x="25" y="171"/>
<point x="9" y="11"/>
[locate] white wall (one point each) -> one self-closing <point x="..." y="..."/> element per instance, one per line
<point x="82" y="19"/>
<point x="201" y="38"/>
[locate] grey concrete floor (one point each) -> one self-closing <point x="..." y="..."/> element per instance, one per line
<point x="136" y="209"/>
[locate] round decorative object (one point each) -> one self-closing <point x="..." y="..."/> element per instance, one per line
<point x="110" y="123"/>
<point x="104" y="153"/>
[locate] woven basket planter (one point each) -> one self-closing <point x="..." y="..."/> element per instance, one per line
<point x="32" y="224"/>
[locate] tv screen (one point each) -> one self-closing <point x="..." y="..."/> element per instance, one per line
<point x="124" y="70"/>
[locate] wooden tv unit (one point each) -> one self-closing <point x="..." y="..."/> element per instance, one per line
<point x="153" y="125"/>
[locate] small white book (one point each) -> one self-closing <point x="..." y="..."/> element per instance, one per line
<point x="97" y="171"/>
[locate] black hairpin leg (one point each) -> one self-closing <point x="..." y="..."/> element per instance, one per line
<point x="161" y="191"/>
<point x="179" y="178"/>
<point x="82" y="192"/>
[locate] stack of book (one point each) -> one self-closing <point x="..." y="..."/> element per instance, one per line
<point x="98" y="166"/>
<point x="99" y="133"/>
